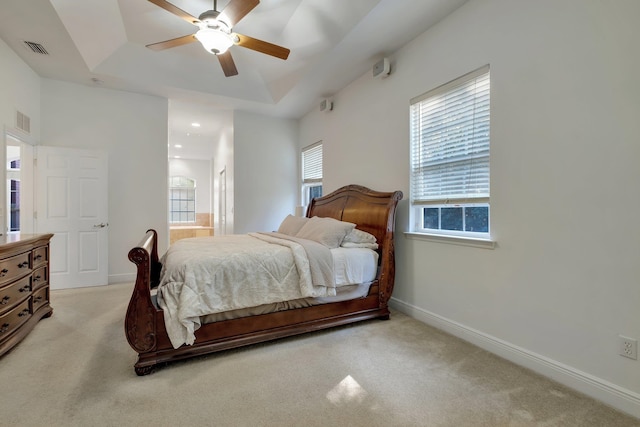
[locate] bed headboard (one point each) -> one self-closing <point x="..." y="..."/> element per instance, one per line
<point x="371" y="211"/>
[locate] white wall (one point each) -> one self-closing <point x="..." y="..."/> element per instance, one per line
<point x="200" y="171"/>
<point x="132" y="129"/>
<point x="562" y="282"/>
<point x="223" y="160"/>
<point x="265" y="176"/>
<point x="19" y="91"/>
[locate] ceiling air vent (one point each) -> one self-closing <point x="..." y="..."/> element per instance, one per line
<point x="37" y="48"/>
<point x="23" y="122"/>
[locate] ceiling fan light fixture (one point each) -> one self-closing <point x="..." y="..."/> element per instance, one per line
<point x="216" y="32"/>
<point x="214" y="41"/>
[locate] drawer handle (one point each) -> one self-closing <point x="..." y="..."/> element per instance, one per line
<point x="4" y="328"/>
<point x="23" y="312"/>
<point x="5" y="300"/>
<point x="24" y="264"/>
<point x="25" y="288"/>
<point x="38" y="257"/>
<point x="37" y="278"/>
<point x="37" y="299"/>
<point x="3" y="272"/>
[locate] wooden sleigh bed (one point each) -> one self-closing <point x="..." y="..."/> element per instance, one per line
<point x="371" y="211"/>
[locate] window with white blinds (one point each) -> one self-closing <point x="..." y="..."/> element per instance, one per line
<point x="312" y="164"/>
<point x="311" y="172"/>
<point x="450" y="150"/>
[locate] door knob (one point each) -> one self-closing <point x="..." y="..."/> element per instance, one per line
<point x="101" y="225"/>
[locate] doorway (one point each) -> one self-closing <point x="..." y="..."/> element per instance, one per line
<point x="222" y="202"/>
<point x="19" y="188"/>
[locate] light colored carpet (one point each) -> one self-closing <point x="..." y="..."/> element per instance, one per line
<point x="76" y="369"/>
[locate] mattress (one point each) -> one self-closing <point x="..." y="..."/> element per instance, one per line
<point x="354" y="271"/>
<point x="344" y="293"/>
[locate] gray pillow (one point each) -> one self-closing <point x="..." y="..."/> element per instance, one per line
<point x="292" y="224"/>
<point x="327" y="231"/>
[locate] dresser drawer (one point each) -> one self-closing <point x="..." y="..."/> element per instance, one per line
<point x="14" y="266"/>
<point x="39" y="277"/>
<point x="14" y="293"/>
<point x="14" y="318"/>
<point x="40" y="256"/>
<point x="40" y="297"/>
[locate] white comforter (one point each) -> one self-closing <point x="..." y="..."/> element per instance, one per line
<point x="208" y="275"/>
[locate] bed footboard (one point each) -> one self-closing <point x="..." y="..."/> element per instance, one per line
<point x="140" y="321"/>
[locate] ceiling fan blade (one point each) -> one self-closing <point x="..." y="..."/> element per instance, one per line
<point x="262" y="46"/>
<point x="176" y="11"/>
<point x="236" y="10"/>
<point x="228" y="66"/>
<point x="178" y="41"/>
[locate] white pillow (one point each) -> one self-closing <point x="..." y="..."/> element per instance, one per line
<point x="292" y="224"/>
<point x="327" y="231"/>
<point x="373" y="246"/>
<point x="359" y="236"/>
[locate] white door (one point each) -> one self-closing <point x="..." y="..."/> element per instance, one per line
<point x="71" y="203"/>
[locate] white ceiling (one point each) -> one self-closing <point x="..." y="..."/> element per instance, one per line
<point x="102" y="42"/>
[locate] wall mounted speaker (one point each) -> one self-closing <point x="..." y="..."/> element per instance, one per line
<point x="382" y="68"/>
<point x="326" y="105"/>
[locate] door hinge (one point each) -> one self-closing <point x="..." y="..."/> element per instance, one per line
<point x="35" y="215"/>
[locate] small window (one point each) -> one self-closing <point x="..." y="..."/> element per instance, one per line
<point x="13" y="187"/>
<point x="311" y="172"/>
<point x="450" y="157"/>
<point x="182" y="200"/>
<point x="469" y="218"/>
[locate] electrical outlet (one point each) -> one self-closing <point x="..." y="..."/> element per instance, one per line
<point x="628" y="347"/>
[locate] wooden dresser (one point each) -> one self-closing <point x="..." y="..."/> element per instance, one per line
<point x="24" y="286"/>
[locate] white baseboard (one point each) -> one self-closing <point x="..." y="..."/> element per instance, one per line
<point x="121" y="278"/>
<point x="611" y="394"/>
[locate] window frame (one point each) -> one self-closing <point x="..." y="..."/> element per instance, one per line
<point x="422" y="195"/>
<point x="191" y="190"/>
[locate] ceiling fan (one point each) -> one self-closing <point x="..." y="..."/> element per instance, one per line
<point x="216" y="34"/>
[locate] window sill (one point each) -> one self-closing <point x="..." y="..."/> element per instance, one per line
<point x="454" y="240"/>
